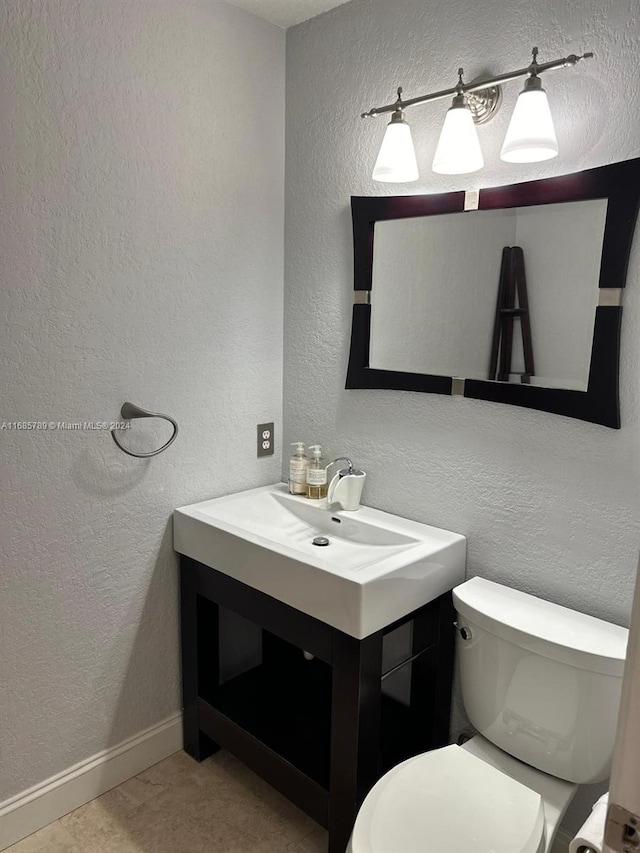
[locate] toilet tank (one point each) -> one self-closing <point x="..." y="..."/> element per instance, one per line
<point x="540" y="681"/>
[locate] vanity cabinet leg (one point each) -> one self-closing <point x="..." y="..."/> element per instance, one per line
<point x="199" y="632"/>
<point x="355" y="731"/>
<point x="432" y="676"/>
<point x="444" y="672"/>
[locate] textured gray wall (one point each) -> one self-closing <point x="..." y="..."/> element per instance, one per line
<point x="143" y="158"/>
<point x="549" y="505"/>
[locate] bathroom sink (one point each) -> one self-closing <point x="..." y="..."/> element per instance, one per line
<point x="375" y="568"/>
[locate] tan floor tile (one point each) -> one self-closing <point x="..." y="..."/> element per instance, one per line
<point x="137" y="791"/>
<point x="316" y="842"/>
<point x="228" y="805"/>
<point x="113" y="803"/>
<point x="293" y="822"/>
<point x="96" y="826"/>
<point x="177" y="769"/>
<point x="53" y="838"/>
<point x="183" y="820"/>
<point x="275" y="846"/>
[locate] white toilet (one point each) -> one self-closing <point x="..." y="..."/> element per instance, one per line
<point x="541" y="684"/>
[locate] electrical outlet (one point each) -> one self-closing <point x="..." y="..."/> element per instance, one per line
<point x="265" y="439"/>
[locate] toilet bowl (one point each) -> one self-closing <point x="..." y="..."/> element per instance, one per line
<point x="472" y="798"/>
<point x="541" y="684"/>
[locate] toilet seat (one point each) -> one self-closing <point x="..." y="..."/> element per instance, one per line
<point x="449" y="801"/>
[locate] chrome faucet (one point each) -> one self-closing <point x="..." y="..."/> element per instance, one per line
<point x="345" y="489"/>
<point x="344" y="471"/>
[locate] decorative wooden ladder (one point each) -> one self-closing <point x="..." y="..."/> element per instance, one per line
<point x="512" y="281"/>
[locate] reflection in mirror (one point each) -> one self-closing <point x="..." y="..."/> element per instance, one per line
<point x="439" y="282"/>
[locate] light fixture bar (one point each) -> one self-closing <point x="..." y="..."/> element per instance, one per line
<point x="483" y="83"/>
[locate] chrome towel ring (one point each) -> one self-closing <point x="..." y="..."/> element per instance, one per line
<point x="129" y="411"/>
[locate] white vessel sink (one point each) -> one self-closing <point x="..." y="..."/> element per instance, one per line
<point x="376" y="568"/>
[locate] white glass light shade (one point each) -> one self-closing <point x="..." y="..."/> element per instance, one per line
<point x="396" y="161"/>
<point x="530" y="136"/>
<point x="458" y="150"/>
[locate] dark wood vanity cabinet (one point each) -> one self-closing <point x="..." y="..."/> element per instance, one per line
<point x="321" y="729"/>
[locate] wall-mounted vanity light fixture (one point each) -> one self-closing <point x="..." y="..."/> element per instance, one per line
<point x="530" y="136"/>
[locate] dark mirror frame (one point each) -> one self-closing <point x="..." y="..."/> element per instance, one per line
<point x="619" y="183"/>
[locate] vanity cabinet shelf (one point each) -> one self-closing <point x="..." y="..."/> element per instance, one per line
<point x="321" y="731"/>
<point x="288" y="710"/>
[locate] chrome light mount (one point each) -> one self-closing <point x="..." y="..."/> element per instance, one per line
<point x="484" y="103"/>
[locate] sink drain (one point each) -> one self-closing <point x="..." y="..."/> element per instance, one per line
<point x="320" y="540"/>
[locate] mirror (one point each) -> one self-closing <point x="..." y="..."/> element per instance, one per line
<point x="417" y="325"/>
<point x="517" y="301"/>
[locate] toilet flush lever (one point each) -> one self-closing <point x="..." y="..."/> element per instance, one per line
<point x="465" y="633"/>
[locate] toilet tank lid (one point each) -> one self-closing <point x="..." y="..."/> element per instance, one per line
<point x="543" y="627"/>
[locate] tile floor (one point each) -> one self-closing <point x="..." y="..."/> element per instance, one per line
<point x="179" y="806"/>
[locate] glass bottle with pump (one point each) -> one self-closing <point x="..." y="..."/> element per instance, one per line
<point x="316" y="474"/>
<point x="298" y="465"/>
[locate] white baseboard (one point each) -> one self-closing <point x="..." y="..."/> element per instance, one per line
<point x="43" y="803"/>
<point x="561" y="842"/>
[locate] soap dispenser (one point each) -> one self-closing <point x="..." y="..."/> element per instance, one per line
<point x="298" y="465"/>
<point x="316" y="474"/>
